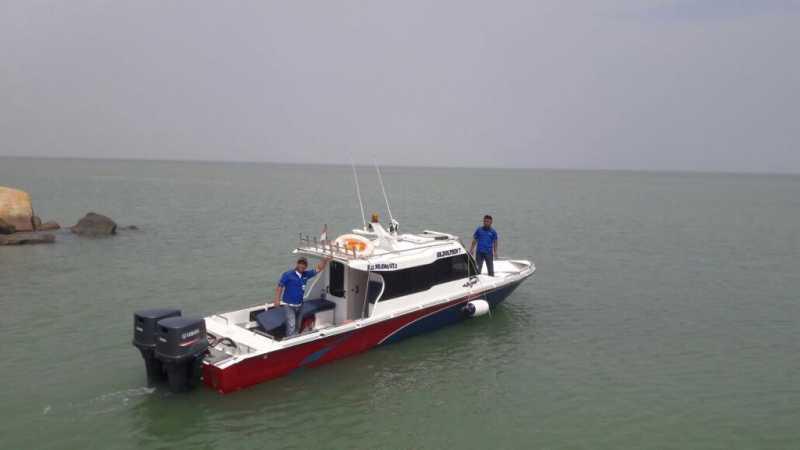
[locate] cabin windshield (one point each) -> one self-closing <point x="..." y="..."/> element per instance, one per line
<point x="421" y="278"/>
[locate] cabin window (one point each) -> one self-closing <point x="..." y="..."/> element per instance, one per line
<point x="449" y="269"/>
<point x="402" y="282"/>
<point x="421" y="278"/>
<point x="374" y="288"/>
<point x="336" y="283"/>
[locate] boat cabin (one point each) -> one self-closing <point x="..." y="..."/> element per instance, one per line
<point x="372" y="272"/>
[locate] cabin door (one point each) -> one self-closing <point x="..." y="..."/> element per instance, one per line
<point x="336" y="291"/>
<point x="374" y="291"/>
<point x="356" y="285"/>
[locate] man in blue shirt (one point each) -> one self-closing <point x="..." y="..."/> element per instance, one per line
<point x="292" y="288"/>
<point x="486" y="239"/>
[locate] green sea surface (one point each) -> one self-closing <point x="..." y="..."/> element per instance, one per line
<point x="663" y="314"/>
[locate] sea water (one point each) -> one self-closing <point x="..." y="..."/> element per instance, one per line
<point x="663" y="314"/>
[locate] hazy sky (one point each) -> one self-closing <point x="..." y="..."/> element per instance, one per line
<point x="625" y="84"/>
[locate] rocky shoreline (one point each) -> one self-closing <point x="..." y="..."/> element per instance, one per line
<point x="19" y="225"/>
<point x="27" y="238"/>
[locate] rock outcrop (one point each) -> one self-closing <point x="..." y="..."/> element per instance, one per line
<point x="49" y="226"/>
<point x="27" y="239"/>
<point x="7" y="228"/>
<point x="16" y="209"/>
<point x="94" y="225"/>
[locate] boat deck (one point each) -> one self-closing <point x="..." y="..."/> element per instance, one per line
<point x="241" y="328"/>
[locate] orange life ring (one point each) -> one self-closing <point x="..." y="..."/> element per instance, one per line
<point x="351" y="244"/>
<point x="354" y="242"/>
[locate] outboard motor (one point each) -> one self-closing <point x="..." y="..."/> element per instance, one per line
<point x="476" y="308"/>
<point x="144" y="338"/>
<point x="181" y="343"/>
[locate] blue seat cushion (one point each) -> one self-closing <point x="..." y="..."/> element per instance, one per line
<point x="272" y="320"/>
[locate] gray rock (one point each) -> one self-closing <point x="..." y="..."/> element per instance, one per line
<point x="7" y="228"/>
<point x="94" y="225"/>
<point x="27" y="239"/>
<point x="49" y="226"/>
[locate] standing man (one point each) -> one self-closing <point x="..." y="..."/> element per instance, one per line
<point x="292" y="288"/>
<point x="486" y="239"/>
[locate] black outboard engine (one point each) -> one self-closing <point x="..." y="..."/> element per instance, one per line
<point x="181" y="343"/>
<point x="144" y="338"/>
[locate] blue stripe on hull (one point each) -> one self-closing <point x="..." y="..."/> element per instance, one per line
<point x="448" y="316"/>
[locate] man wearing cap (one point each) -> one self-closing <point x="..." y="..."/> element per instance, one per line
<point x="486" y="239"/>
<point x="292" y="287"/>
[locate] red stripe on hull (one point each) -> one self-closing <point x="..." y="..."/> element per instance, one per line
<point x="311" y="354"/>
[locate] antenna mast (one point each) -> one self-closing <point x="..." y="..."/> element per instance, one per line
<point x="358" y="193"/>
<point x="385" y="197"/>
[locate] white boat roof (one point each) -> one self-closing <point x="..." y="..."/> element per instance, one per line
<point x="386" y="250"/>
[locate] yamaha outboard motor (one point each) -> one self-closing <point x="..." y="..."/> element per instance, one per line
<point x="144" y="338"/>
<point x="181" y="343"/>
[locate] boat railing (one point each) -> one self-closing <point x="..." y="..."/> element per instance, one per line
<point x="326" y="248"/>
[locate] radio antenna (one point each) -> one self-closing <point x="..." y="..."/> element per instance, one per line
<point x="385" y="197"/>
<point x="358" y="192"/>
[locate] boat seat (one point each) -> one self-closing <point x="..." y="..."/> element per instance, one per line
<point x="273" y="320"/>
<point x="318" y="304"/>
<point x="309" y="306"/>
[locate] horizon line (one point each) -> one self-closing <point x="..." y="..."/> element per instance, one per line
<point x="406" y="166"/>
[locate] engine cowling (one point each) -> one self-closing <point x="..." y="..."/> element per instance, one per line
<point x="145" y="323"/>
<point x="181" y="343"/>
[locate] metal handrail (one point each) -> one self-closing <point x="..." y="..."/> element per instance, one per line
<point x="316" y="250"/>
<point x="324" y="247"/>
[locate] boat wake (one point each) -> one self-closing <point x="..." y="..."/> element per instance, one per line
<point x="105" y="403"/>
<point x="114" y="401"/>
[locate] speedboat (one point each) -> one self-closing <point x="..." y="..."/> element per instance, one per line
<point x="379" y="287"/>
